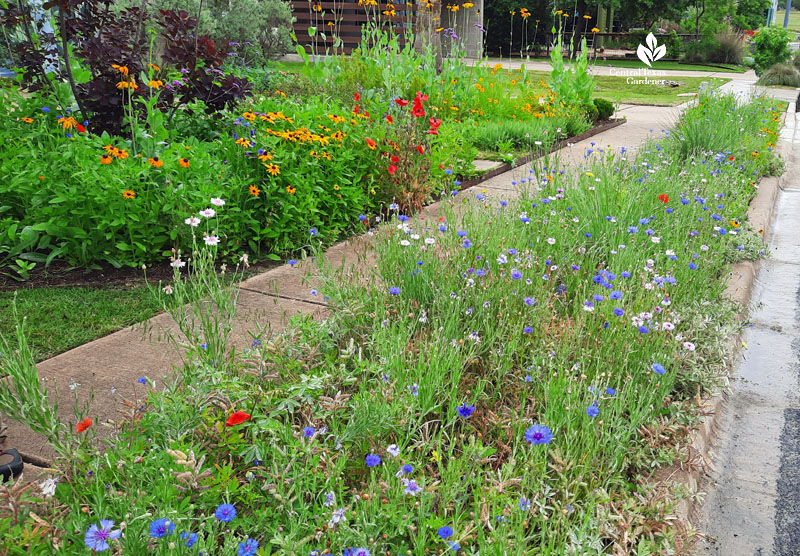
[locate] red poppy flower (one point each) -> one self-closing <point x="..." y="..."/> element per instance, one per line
<point x="731" y="157"/>
<point x="83" y="425"/>
<point x="395" y="159"/>
<point x="441" y="166"/>
<point x="664" y="198"/>
<point x="420" y="149"/>
<point x="356" y="97"/>
<point x="81" y="128"/>
<point x="401" y="102"/>
<point x="390" y="119"/>
<point x="392" y="169"/>
<point x="237" y="418"/>
<point x="422" y="97"/>
<point x="417" y="111"/>
<point x="355" y="110"/>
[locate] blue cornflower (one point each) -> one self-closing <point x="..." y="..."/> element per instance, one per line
<point x="248" y="547"/>
<point x="610" y="391"/>
<point x="225" y="513"/>
<point x="45" y="109"/>
<point x="313" y="231"/>
<point x="161" y="528"/>
<point x="189" y="538"/>
<point x="394" y="290"/>
<point x="403" y="218"/>
<point x="309" y="431"/>
<point x="313" y="292"/>
<point x="448" y="171"/>
<point x="722" y="231"/>
<point x="142" y="380"/>
<point x="538" y="434"/>
<point x="528" y="330"/>
<point x="592" y="411"/>
<point x="356" y="552"/>
<point x="461" y="233"/>
<point x="372" y="460"/>
<point x="658" y="368"/>
<point x="615" y="295"/>
<point x="408" y="468"/>
<point x="632" y="229"/>
<point x="644" y="329"/>
<point x="204" y="346"/>
<point x="445" y="532"/>
<point x="529" y="301"/>
<point x="516" y="274"/>
<point x="362" y="217"/>
<point x="625" y="274"/>
<point x="598" y="297"/>
<point x="454" y="546"/>
<point x="524" y="504"/>
<point x="291" y="262"/>
<point x="465" y="410"/>
<point x="442" y="228"/>
<point x="97" y="537"/>
<point x="467" y="243"/>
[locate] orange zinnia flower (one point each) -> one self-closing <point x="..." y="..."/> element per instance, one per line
<point x="155" y="162"/>
<point x="83" y="425"/>
<point x="129" y="194"/>
<point x="106" y="159"/>
<point x="184" y="162"/>
<point x="254" y="191"/>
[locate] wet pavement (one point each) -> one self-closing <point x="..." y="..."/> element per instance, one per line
<point x="752" y="504"/>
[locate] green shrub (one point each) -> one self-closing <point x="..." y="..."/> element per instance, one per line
<point x="605" y="108"/>
<point x="771" y="45"/>
<point x="265" y="24"/>
<point x="781" y="74"/>
<point x="699" y="51"/>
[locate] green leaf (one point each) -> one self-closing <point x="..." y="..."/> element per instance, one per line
<point x="273" y="257"/>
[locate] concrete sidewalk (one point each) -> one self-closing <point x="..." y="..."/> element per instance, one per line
<point x="110" y="366"/>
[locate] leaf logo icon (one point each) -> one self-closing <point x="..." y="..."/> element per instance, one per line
<point x="652" y="51"/>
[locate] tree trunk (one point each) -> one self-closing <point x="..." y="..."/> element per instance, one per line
<point x="425" y="35"/>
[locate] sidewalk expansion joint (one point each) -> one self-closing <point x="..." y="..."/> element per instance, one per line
<point x="287" y="297"/>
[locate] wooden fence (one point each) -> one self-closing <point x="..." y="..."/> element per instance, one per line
<point x="344" y="19"/>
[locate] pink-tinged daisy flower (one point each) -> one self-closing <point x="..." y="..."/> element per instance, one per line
<point x="211" y="240"/>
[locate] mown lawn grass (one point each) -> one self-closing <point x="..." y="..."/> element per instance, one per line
<point x="60" y="319"/>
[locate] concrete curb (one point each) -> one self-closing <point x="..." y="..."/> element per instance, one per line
<point x="740" y="282"/>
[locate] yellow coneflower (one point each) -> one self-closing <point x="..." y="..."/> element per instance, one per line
<point x="254" y="191"/>
<point x="129" y="194"/>
<point x="249" y="116"/>
<point x="106" y="159"/>
<point x="273" y="169"/>
<point x="155" y="162"/>
<point x="184" y="162"/>
<point x="67" y="122"/>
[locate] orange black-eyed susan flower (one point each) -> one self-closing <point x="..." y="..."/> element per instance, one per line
<point x="291" y="190"/>
<point x="273" y="169"/>
<point x="67" y="122"/>
<point x="249" y="116"/>
<point x="155" y="84"/>
<point x="27" y="120"/>
<point x="153" y="67"/>
<point x="106" y="159"/>
<point x="122" y="69"/>
<point x="243" y="142"/>
<point x="735" y="223"/>
<point x="254" y="191"/>
<point x="184" y="162"/>
<point x="155" y="162"/>
<point x="336" y="187"/>
<point x="266" y="157"/>
<point x="122" y="154"/>
<point x="129" y="194"/>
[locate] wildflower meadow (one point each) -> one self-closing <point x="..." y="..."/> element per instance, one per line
<point x="495" y="373"/>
